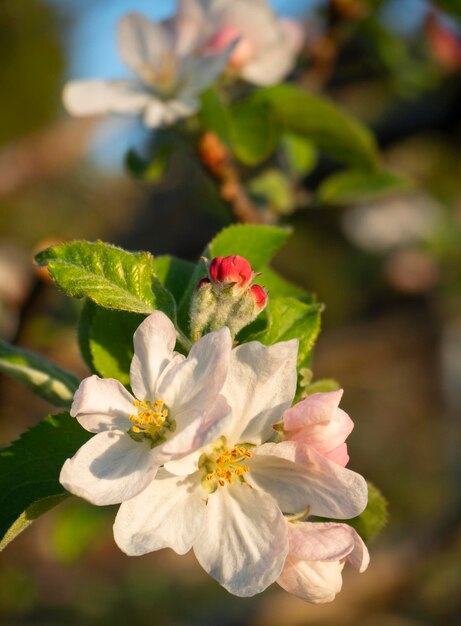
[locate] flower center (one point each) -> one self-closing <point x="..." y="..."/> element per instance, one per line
<point x="150" y="421"/>
<point x="162" y="77"/>
<point x="224" y="466"/>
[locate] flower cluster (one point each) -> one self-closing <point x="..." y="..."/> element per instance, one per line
<point x="173" y="61"/>
<point x="208" y="453"/>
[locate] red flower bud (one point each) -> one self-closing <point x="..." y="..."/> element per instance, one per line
<point x="231" y="269"/>
<point x="259" y="295"/>
<point x="201" y="283"/>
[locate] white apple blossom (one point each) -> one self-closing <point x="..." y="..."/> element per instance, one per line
<point x="317" y="554"/>
<point x="227" y="500"/>
<point x="266" y="47"/>
<point x="176" y="409"/>
<point x="170" y="64"/>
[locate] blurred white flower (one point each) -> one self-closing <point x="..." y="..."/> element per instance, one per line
<point x="266" y="47"/>
<point x="227" y="500"/>
<point x="177" y="409"/>
<point x="391" y="222"/>
<point x="317" y="554"/>
<point x="171" y="66"/>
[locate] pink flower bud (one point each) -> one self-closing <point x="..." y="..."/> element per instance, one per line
<point x="231" y="269"/>
<point x="259" y="295"/>
<point x="201" y="283"/>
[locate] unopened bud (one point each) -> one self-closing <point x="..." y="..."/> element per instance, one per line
<point x="231" y="269"/>
<point x="226" y="297"/>
<point x="259" y="295"/>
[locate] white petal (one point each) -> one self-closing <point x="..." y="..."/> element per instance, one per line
<point x="189" y="26"/>
<point x="260" y="385"/>
<point x="330" y="490"/>
<point x="167" y="112"/>
<point x="320" y="541"/>
<point x="271" y="67"/>
<point x="194" y="430"/>
<point x="154" y="341"/>
<point x="199" y="72"/>
<point x="168" y="513"/>
<point x="210" y="426"/>
<point x="108" y="469"/>
<point x="142" y="42"/>
<point x="243" y="544"/>
<point x="314" y="581"/>
<point x="195" y="383"/>
<point x="91" y="97"/>
<point x="102" y="404"/>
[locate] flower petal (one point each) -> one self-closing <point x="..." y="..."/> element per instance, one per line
<point x="359" y="557"/>
<point x="271" y="65"/>
<point x="154" y="341"/>
<point x="168" y="513"/>
<point x="314" y="581"/>
<point x="91" y="97"/>
<point x="195" y="383"/>
<point x="102" y="404"/>
<point x="320" y="541"/>
<point x="318" y="422"/>
<point x="207" y="429"/>
<point x="329" y="489"/>
<point x="194" y="429"/>
<point x="142" y="42"/>
<point x="260" y="385"/>
<point x="108" y="469"/>
<point x="243" y="543"/>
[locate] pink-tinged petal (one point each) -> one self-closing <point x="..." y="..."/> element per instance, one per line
<point x="194" y="384"/>
<point x="359" y="557"/>
<point x="260" y="385"/>
<point x="244" y="542"/>
<point x="154" y="341"/>
<point x="320" y="541"/>
<point x="317" y="408"/>
<point x="142" y="42"/>
<point x="313" y="581"/>
<point x="338" y="455"/>
<point x="108" y="469"/>
<point x="93" y="97"/>
<point x="318" y="422"/>
<point x="168" y="513"/>
<point x="102" y="404"/>
<point x="194" y="429"/>
<point x="330" y="490"/>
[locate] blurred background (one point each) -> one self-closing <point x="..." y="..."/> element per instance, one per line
<point x="388" y="270"/>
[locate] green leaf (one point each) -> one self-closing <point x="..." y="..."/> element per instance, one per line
<point x="374" y="518"/>
<point x="150" y="170"/>
<point x="253" y="132"/>
<point x="113" y="278"/>
<point x="299" y="155"/>
<point x="276" y="190"/>
<point x="289" y="318"/>
<point x="214" y="115"/>
<point x="29" y="472"/>
<point x="106" y="340"/>
<point x="360" y="186"/>
<point x="44" y="378"/>
<point x="174" y="274"/>
<point x="258" y="244"/>
<point x="331" y="129"/>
